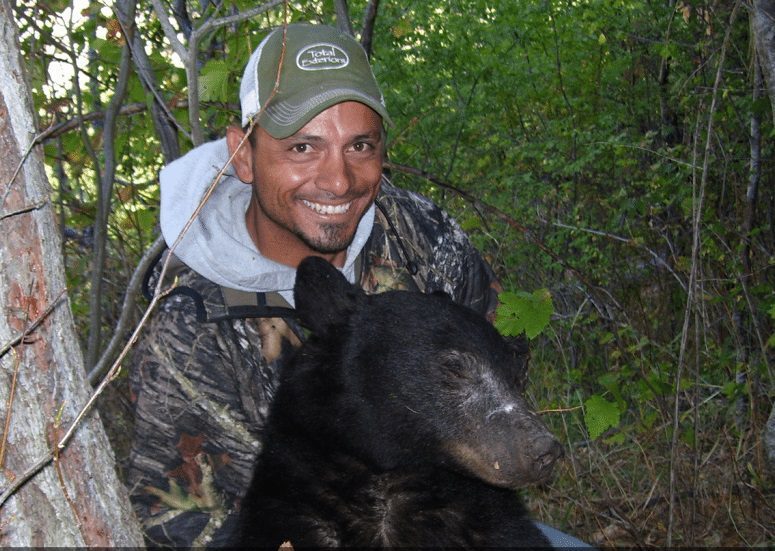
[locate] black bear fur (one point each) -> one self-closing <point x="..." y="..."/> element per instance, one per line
<point x="399" y="423"/>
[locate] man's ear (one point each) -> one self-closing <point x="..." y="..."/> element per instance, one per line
<point x="243" y="159"/>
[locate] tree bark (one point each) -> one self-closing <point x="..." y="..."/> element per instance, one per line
<point x="77" y="500"/>
<point x="343" y="22"/>
<point x="367" y="33"/>
<point x="763" y="18"/>
<point x="104" y="205"/>
<point x="763" y="28"/>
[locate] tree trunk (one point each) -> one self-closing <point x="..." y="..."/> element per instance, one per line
<point x="77" y="500"/>
<point x="763" y="17"/>
<point x="763" y="27"/>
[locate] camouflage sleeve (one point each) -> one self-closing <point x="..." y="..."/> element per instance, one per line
<point x="446" y="258"/>
<point x="459" y="266"/>
<point x="195" y="437"/>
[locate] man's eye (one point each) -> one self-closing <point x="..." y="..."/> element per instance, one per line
<point x="361" y="146"/>
<point x="300" y="148"/>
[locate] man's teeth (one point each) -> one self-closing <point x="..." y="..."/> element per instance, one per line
<point x="327" y="209"/>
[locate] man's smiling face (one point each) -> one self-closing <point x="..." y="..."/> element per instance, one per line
<point x="311" y="189"/>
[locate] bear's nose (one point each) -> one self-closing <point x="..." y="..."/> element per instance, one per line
<point x="546" y="451"/>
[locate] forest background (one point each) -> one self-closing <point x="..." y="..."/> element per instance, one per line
<point x="617" y="154"/>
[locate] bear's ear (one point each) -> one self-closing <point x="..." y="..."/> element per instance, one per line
<point x="322" y="294"/>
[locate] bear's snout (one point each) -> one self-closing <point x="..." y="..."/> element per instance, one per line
<point x="544" y="453"/>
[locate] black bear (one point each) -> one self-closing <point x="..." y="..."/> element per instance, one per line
<point x="400" y="422"/>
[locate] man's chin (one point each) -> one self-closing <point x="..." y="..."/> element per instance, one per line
<point x="330" y="240"/>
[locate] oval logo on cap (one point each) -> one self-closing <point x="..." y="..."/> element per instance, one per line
<point x="320" y="57"/>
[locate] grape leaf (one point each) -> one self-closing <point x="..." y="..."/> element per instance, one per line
<point x="520" y="312"/>
<point x="600" y="415"/>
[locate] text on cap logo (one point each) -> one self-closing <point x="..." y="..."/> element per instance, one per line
<point x="320" y="57"/>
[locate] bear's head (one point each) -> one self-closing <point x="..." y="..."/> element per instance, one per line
<point x="404" y="379"/>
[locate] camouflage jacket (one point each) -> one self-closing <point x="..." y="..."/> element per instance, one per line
<point x="205" y="369"/>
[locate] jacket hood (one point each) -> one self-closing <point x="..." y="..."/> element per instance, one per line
<point x="217" y="245"/>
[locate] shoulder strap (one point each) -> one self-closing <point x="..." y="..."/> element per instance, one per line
<point x="246" y="304"/>
<point x="222" y="303"/>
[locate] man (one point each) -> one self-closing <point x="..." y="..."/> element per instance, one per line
<point x="307" y="180"/>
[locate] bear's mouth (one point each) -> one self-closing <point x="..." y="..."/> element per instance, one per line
<point x="504" y="468"/>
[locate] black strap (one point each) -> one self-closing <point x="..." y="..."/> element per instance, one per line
<point x="237" y="304"/>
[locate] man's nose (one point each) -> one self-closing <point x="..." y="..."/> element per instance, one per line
<point x="334" y="174"/>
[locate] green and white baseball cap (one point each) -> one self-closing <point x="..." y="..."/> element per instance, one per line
<point x="321" y="67"/>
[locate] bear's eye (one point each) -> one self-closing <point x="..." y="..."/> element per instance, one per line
<point x="459" y="367"/>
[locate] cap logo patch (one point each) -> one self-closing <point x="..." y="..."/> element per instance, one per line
<point x="321" y="57"/>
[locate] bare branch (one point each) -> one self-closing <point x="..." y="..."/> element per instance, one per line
<point x="130" y="299"/>
<point x="658" y="259"/>
<point x="162" y="117"/>
<point x="169" y="31"/>
<point x="104" y="200"/>
<point x="129" y="109"/>
<point x="367" y="32"/>
<point x="112" y="374"/>
<point x="236" y="18"/>
<point x="17" y="362"/>
<point x="343" y="22"/>
<point x="694" y="272"/>
<point x="28" y="208"/>
<point x="31" y="327"/>
<point x="192" y="71"/>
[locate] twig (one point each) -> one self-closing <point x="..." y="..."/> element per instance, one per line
<point x="19" y="167"/>
<point x="237" y="18"/>
<point x="56" y="130"/>
<point x="142" y="66"/>
<point x="218" y="176"/>
<point x="65" y="492"/>
<point x="647" y="150"/>
<point x="593" y="289"/>
<point x="693" y="275"/>
<point x="32" y="326"/>
<point x="17" y="363"/>
<point x="113" y="372"/>
<point x="28" y="208"/>
<point x="9" y="407"/>
<point x="558" y="410"/>
<point x="22" y="479"/>
<point x="628" y="241"/>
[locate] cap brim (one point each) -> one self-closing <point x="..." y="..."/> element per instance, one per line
<point x="285" y="118"/>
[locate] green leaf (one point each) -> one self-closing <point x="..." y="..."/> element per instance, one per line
<point x="214" y="80"/>
<point x="522" y="312"/>
<point x="600" y="415"/>
<point x="732" y="390"/>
